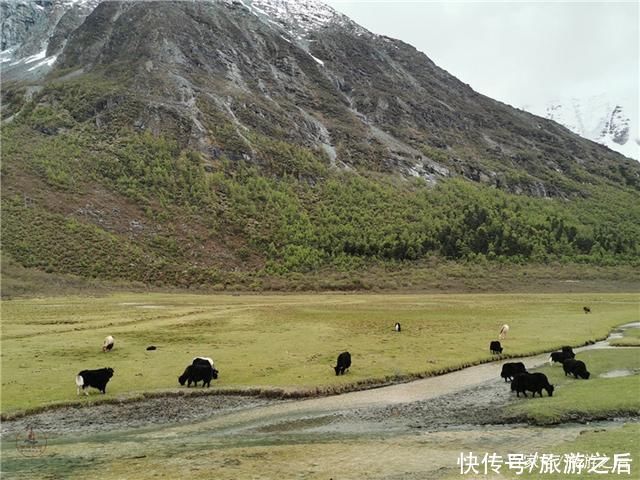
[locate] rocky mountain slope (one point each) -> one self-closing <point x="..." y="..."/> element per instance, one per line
<point x="304" y="73"/>
<point x="274" y="136"/>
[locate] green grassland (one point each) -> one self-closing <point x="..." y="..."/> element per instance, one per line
<point x="285" y="341"/>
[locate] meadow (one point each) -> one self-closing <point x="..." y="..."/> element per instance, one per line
<point x="285" y="343"/>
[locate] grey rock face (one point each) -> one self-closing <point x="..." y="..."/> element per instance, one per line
<point x="618" y="126"/>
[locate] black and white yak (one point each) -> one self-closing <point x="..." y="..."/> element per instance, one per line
<point x="198" y="373"/>
<point x="202" y="370"/>
<point x="93" y="378"/>
<point x="107" y="345"/>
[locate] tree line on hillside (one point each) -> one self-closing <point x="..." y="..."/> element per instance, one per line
<point x="287" y="205"/>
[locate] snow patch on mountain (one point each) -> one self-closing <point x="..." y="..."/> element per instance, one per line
<point x="47" y="62"/>
<point x="306" y="15"/>
<point x="298" y="18"/>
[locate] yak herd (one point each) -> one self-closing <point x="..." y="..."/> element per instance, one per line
<point x="523" y="381"/>
<point x="203" y="370"/>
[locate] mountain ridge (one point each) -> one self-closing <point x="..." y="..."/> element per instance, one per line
<point x="190" y="140"/>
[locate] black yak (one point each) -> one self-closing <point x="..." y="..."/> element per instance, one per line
<point x="532" y="382"/>
<point x="577" y="368"/>
<point x="495" y="347"/>
<point x="560" y="357"/>
<point x="510" y="370"/>
<point x="344" y="362"/>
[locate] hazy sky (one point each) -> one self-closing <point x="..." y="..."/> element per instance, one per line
<point x="522" y="53"/>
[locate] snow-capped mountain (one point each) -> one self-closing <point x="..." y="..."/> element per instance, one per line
<point x="597" y="118"/>
<point x="33" y="32"/>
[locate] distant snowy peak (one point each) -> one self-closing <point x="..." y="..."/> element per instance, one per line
<point x="596" y="118"/>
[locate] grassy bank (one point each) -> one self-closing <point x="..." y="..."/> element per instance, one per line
<point x="601" y="396"/>
<point x="287" y="342"/>
<point x="630" y="338"/>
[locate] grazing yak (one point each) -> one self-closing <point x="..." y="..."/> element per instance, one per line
<point x="532" y="382"/>
<point x="504" y="329"/>
<point x="196" y="373"/>
<point x="586" y="309"/>
<point x="510" y="370"/>
<point x="560" y="357"/>
<point x="107" y="345"/>
<point x="576" y="368"/>
<point x="344" y="362"/>
<point x="495" y="347"/>
<point x="94" y="378"/>
<point x="397" y="327"/>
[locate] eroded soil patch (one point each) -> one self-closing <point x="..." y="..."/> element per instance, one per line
<point x="91" y="419"/>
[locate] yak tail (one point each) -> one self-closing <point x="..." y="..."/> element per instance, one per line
<point x="79" y="381"/>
